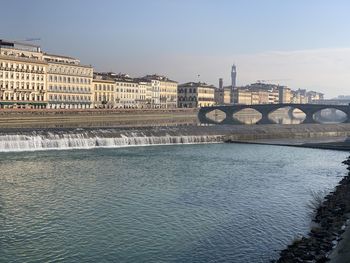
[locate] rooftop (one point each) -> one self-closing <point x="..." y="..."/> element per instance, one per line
<point x="118" y="77"/>
<point x="196" y="84"/>
<point x="59" y="56"/>
<point x="19" y="45"/>
<point x="158" y="77"/>
<point x="102" y="77"/>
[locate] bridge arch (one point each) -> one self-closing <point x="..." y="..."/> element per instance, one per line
<point x="331" y="115"/>
<point x="287" y="115"/>
<point x="247" y="115"/>
<point x="216" y="115"/>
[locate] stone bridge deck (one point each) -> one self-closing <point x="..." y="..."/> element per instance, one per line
<point x="266" y="109"/>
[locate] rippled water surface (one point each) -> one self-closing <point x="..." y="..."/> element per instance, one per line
<point x="193" y="203"/>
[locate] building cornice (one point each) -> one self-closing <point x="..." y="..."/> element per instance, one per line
<point x="69" y="64"/>
<point x="22" y="59"/>
<point x="104" y="81"/>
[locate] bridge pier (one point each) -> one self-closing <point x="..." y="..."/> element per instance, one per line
<point x="290" y="113"/>
<point x="264" y="116"/>
<point x="228" y="117"/>
<point x="309" y="117"/>
<point x="203" y="118"/>
<point x="347" y="116"/>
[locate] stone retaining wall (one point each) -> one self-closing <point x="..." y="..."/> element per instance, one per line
<point x="331" y="218"/>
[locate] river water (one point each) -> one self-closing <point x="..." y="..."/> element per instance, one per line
<point x="174" y="203"/>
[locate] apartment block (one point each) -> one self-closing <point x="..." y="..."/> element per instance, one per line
<point x="285" y="94"/>
<point x="69" y="84"/>
<point x="223" y="95"/>
<point x="164" y="91"/>
<point x="242" y="96"/>
<point x="313" y="96"/>
<point x="103" y="92"/>
<point x="145" y="94"/>
<point x="195" y="95"/>
<point x="22" y="76"/>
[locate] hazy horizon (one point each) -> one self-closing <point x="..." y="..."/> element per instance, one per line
<point x="295" y="43"/>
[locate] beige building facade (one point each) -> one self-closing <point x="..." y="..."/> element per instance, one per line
<point x="103" y="92"/>
<point x="242" y="96"/>
<point x="127" y="92"/>
<point x="273" y="96"/>
<point x="145" y="87"/>
<point x="285" y="95"/>
<point x="260" y="97"/>
<point x="313" y="96"/>
<point x="299" y="96"/>
<point x="164" y="91"/>
<point x="223" y="96"/>
<point x="22" y="76"/>
<point x="69" y="84"/>
<point x="195" y="95"/>
<point x="143" y="98"/>
<point x="168" y="94"/>
<point x="249" y="95"/>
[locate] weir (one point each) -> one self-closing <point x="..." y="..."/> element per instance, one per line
<point x="97" y="139"/>
<point x="12" y="140"/>
<point x="266" y="109"/>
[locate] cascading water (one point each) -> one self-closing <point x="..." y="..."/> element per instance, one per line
<point x="96" y="139"/>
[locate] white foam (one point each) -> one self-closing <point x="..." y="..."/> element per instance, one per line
<point x="51" y="141"/>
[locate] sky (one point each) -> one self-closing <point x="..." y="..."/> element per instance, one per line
<point x="298" y="43"/>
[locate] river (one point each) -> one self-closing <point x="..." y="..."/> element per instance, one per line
<point x="173" y="203"/>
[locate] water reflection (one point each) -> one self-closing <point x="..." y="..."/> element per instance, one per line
<point x="247" y="116"/>
<point x="330" y="116"/>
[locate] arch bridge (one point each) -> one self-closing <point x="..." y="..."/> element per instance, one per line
<point x="266" y="109"/>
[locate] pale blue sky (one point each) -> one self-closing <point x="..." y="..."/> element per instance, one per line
<point x="183" y="38"/>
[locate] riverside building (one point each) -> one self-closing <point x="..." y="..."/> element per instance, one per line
<point x="164" y="91"/>
<point x="313" y="96"/>
<point x="299" y="96"/>
<point x="274" y="96"/>
<point x="22" y="76"/>
<point x="69" y="84"/>
<point x="195" y="95"/>
<point x="104" y="89"/>
<point x="146" y="87"/>
<point x="223" y="95"/>
<point x="127" y="91"/>
<point x="145" y="93"/>
<point x="285" y="94"/>
<point x="168" y="93"/>
<point x="242" y="96"/>
<point x="259" y="93"/>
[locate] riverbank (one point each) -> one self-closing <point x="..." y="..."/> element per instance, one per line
<point x="325" y="143"/>
<point x="331" y="218"/>
<point x="95" y="118"/>
<point x="341" y="253"/>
